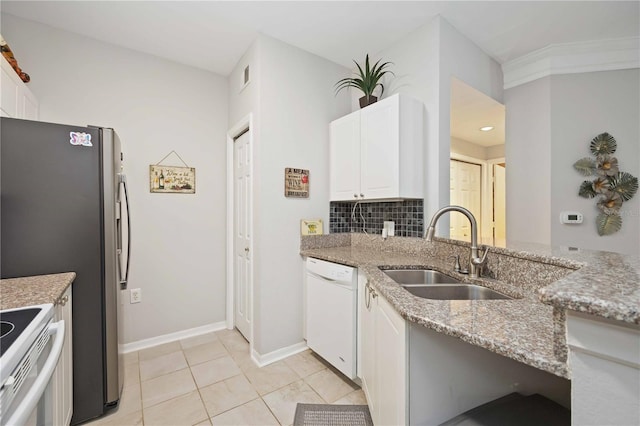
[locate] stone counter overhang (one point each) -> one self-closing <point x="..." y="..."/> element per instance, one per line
<point x="36" y="290"/>
<point x="530" y="329"/>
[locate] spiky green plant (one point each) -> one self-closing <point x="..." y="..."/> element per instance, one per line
<point x="367" y="79"/>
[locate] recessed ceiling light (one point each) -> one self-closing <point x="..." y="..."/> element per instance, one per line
<point x="486" y="128"/>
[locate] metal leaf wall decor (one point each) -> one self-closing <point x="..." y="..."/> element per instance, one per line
<point x="610" y="185"/>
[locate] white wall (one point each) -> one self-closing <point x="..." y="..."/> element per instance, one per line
<point x="470" y="149"/>
<point x="178" y="243"/>
<point x="463" y="147"/>
<point x="416" y="66"/>
<point x="528" y="153"/>
<point x="424" y="63"/>
<point x="550" y="123"/>
<point x="495" y="151"/>
<point x="296" y="104"/>
<point x="583" y="106"/>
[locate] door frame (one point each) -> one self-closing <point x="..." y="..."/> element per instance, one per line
<point x="239" y="128"/>
<point x="491" y="163"/>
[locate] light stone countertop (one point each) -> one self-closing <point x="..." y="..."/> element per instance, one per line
<point x="36" y="290"/>
<point x="521" y="329"/>
<point x="608" y="286"/>
<point x="532" y="329"/>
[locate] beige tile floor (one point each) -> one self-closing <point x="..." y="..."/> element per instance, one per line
<point x="210" y="379"/>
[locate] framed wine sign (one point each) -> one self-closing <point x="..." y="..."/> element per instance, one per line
<point x="172" y="179"/>
<point x="296" y="183"/>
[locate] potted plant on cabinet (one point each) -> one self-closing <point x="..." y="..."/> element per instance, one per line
<point x="367" y="80"/>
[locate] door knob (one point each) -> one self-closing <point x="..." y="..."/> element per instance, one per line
<point x="246" y="249"/>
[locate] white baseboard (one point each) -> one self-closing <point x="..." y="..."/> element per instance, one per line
<point x="277" y="355"/>
<point x="171" y="337"/>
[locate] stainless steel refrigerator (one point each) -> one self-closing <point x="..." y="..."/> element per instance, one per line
<point x="64" y="207"/>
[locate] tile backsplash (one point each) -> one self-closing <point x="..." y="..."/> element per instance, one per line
<point x="353" y="216"/>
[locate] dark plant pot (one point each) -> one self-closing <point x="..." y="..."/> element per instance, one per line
<point x="364" y="101"/>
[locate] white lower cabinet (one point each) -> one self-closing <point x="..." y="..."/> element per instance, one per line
<point x="605" y="365"/>
<point x="383" y="357"/>
<point x="414" y="375"/>
<point x="63" y="375"/>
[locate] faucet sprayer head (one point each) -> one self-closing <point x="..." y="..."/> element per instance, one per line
<point x="430" y="233"/>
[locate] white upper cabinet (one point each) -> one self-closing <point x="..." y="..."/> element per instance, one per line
<point x="16" y="100"/>
<point x="344" y="157"/>
<point x="377" y="152"/>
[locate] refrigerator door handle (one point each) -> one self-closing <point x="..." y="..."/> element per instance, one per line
<point x="124" y="280"/>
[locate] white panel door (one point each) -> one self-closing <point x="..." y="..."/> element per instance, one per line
<point x="380" y="150"/>
<point x="499" y="205"/>
<point x="242" y="235"/>
<point x="465" y="191"/>
<point x="344" y="158"/>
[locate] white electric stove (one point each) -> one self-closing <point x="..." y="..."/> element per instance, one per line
<point x="27" y="362"/>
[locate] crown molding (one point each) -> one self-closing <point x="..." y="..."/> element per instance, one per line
<point x="572" y="58"/>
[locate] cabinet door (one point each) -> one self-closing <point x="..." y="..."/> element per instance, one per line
<point x="16" y="100"/>
<point x="63" y="375"/>
<point x="29" y="105"/>
<point x="9" y="91"/>
<point x="367" y="346"/>
<point x="379" y="149"/>
<point x="391" y="362"/>
<point x="344" y="158"/>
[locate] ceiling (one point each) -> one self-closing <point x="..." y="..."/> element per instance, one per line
<point x="213" y="35"/>
<point x="471" y="110"/>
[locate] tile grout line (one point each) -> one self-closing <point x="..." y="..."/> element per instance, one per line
<point x="209" y="417"/>
<point x="140" y="389"/>
<point x="242" y="373"/>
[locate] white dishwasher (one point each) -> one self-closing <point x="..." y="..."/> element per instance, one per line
<point x="332" y="313"/>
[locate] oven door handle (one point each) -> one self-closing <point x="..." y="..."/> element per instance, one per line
<point x="31" y="399"/>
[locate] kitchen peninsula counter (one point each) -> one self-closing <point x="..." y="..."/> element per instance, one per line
<point x="529" y="329"/>
<point x="35" y="290"/>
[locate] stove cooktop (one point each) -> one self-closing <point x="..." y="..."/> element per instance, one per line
<point x="13" y="323"/>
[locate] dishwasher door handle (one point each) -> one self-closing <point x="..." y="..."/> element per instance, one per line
<point x="325" y="280"/>
<point x="321" y="277"/>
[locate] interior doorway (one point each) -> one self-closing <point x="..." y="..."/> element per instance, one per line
<point x="239" y="298"/>
<point x="242" y="233"/>
<point x="477" y="130"/>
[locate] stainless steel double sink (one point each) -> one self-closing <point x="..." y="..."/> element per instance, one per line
<point x="430" y="284"/>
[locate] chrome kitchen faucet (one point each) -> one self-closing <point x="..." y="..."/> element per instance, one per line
<point x="475" y="261"/>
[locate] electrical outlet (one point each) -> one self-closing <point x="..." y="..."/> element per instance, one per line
<point x="136" y="295"/>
